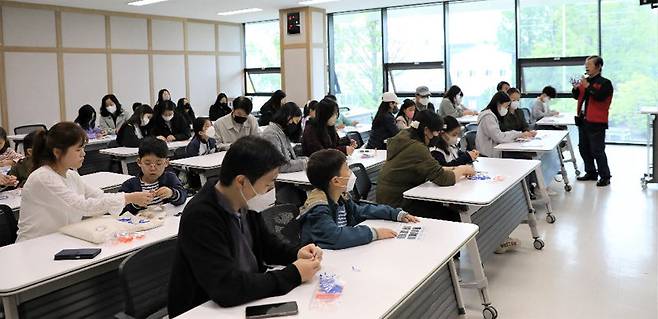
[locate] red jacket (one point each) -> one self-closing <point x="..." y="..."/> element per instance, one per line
<point x="600" y="97"/>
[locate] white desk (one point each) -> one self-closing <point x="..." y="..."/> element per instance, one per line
<point x="652" y="152"/>
<point x="376" y="285"/>
<point x="497" y="207"/>
<point x="371" y="164"/>
<point x="92" y="144"/>
<point x="546" y="141"/>
<point x="12" y="199"/>
<point x="128" y="155"/>
<point x="467" y="119"/>
<point x="562" y="121"/>
<point x="105" y="180"/>
<point x="361" y="128"/>
<point x="204" y="164"/>
<point x="30" y="273"/>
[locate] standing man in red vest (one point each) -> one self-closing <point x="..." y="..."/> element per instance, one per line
<point x="594" y="95"/>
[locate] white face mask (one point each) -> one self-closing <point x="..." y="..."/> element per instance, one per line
<point x="167" y="118"/>
<point x="255" y="200"/>
<point x="515" y="105"/>
<point x="503" y="111"/>
<point x="424" y="101"/>
<point x="210" y="132"/>
<point x="332" y="120"/>
<point x="112" y="109"/>
<point x="453" y="140"/>
<point x="145" y="120"/>
<point x="458" y="99"/>
<point x="546" y="100"/>
<point x="351" y="182"/>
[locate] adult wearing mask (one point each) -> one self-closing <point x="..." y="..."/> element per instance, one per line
<point x="270" y="107"/>
<point x="406" y="114"/>
<point x="451" y="104"/>
<point x="540" y="108"/>
<point x="185" y="110"/>
<point x="594" y="95"/>
<point x="136" y="127"/>
<point x="163" y="96"/>
<point x="112" y="114"/>
<point x="219" y="108"/>
<point x="423" y="99"/>
<point x="515" y="119"/>
<point x="383" y="125"/>
<point x="168" y="125"/>
<point x="236" y="124"/>
<point x="489" y="133"/>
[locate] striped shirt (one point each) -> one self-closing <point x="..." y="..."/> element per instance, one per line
<point x="152" y="187"/>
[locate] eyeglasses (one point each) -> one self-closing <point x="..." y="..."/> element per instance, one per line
<point x="156" y="164"/>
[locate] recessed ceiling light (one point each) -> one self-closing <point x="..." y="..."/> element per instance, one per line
<point x="144" y="2"/>
<point x="311" y="2"/>
<point x="241" y="11"/>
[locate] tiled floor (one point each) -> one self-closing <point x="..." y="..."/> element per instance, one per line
<point x="600" y="259"/>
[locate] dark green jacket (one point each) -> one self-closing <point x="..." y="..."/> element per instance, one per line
<point x="22" y="170"/>
<point x="514" y="121"/>
<point x="408" y="164"/>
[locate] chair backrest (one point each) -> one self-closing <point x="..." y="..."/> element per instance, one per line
<point x="363" y="182"/>
<point x="527" y="115"/>
<point x="281" y="220"/>
<point x="354" y="135"/>
<point x="179" y="153"/>
<point x="470" y="140"/>
<point x="144" y="277"/>
<point x="471" y="127"/>
<point x="27" y="129"/>
<point x="8" y="226"/>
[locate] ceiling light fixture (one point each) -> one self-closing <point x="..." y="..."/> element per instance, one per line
<point x="241" y="11"/>
<point x="144" y="2"/>
<point x="312" y="2"/>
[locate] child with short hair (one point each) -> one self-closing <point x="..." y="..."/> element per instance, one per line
<point x="165" y="186"/>
<point x="23" y="168"/>
<point x="330" y="217"/>
<point x="8" y="157"/>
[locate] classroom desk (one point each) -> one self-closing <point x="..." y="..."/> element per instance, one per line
<point x="371" y="164"/>
<point x="467" y="119"/>
<point x="205" y="165"/>
<point x="92" y="145"/>
<point x="363" y="129"/>
<point x="497" y="207"/>
<point x="33" y="284"/>
<point x="562" y="121"/>
<point x="108" y="182"/>
<point x="127" y="155"/>
<point x="392" y="278"/>
<point x="652" y="152"/>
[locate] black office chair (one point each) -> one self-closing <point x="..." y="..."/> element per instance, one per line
<point x="470" y="140"/>
<point x="27" y="129"/>
<point x="528" y="117"/>
<point x="281" y="220"/>
<point x="471" y="127"/>
<point x="363" y="183"/>
<point x="354" y="135"/>
<point x="8" y="226"/>
<point x="144" y="278"/>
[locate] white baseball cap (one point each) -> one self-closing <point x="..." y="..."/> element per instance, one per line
<point x="389" y="97"/>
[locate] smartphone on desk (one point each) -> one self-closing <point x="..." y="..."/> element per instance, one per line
<point x="272" y="310"/>
<point x="74" y="254"/>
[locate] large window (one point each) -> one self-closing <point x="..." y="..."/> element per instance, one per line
<point x="482" y="48"/>
<point x="414" y="55"/>
<point x="356" y="79"/>
<point x="263" y="59"/>
<point x="630" y="52"/>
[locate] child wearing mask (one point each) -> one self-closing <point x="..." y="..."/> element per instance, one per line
<point x="203" y="142"/>
<point x="514" y="120"/>
<point x="445" y="148"/>
<point x="169" y="126"/>
<point x="406" y="114"/>
<point x="451" y="104"/>
<point x="136" y="128"/>
<point x="320" y="132"/>
<point x="540" y="108"/>
<point x="330" y="218"/>
<point x="185" y="110"/>
<point x="219" y="108"/>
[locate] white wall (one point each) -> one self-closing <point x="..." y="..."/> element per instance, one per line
<point x="130" y="67"/>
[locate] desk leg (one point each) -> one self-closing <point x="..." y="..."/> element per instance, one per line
<point x="10" y="307"/>
<point x="455" y="283"/>
<point x="480" y="281"/>
<point x="544" y="192"/>
<point x="571" y="152"/>
<point x="124" y="166"/>
<point x="532" y="219"/>
<point x="563" y="171"/>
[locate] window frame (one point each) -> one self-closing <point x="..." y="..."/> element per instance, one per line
<point x="523" y="63"/>
<point x="247" y="72"/>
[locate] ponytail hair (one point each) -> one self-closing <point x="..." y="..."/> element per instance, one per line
<point x="61" y="136"/>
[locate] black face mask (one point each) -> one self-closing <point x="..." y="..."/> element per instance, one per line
<point x="223" y="104"/>
<point x="291" y="129"/>
<point x="239" y="119"/>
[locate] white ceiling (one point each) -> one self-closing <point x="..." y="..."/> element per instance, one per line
<point x="207" y="9"/>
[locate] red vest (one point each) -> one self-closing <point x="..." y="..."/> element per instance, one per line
<point x="597" y="111"/>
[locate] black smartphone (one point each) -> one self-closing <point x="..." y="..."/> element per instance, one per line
<point x="73" y="254"/>
<point x="272" y="310"/>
